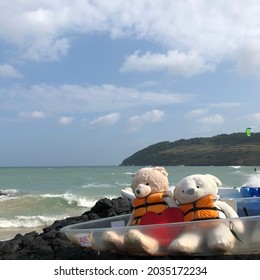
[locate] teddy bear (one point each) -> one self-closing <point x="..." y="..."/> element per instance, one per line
<point x="151" y="205"/>
<point x="197" y="196"/>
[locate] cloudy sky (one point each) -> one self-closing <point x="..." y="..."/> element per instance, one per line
<point x="87" y="82"/>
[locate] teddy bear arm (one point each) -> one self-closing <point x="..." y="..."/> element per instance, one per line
<point x="238" y="226"/>
<point x="170" y="201"/>
<point x="227" y="209"/>
<point x="129" y="223"/>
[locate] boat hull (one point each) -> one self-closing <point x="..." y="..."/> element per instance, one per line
<point x="245" y="228"/>
<point x="91" y="235"/>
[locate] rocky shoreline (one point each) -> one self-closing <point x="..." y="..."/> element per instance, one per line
<point x="51" y="244"/>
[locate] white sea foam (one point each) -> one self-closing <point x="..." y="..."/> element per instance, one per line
<point x="122" y="184"/>
<point x="96" y="186"/>
<point x="49" y="195"/>
<point x="66" y="198"/>
<point x="8" y="194"/>
<point x="84" y="201"/>
<point x="253" y="181"/>
<point x="9" y="191"/>
<point x="29" y="221"/>
<point x="88" y="203"/>
<point x="80" y="201"/>
<point x="24" y="221"/>
<point x="6" y="197"/>
<point x="69" y="197"/>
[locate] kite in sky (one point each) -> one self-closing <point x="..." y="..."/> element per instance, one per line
<point x="248" y="131"/>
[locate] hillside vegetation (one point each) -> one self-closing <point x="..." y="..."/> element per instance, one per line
<point x="220" y="150"/>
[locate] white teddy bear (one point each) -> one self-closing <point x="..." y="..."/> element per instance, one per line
<point x="150" y="185"/>
<point x="198" y="198"/>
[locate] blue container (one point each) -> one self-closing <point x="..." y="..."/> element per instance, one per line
<point x="248" y="207"/>
<point x="250" y="191"/>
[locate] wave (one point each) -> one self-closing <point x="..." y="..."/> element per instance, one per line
<point x="252" y="181"/>
<point x="96" y="186"/>
<point x="61" y="199"/>
<point x="9" y="191"/>
<point x="83" y="201"/>
<point x="8" y="194"/>
<point x="79" y="200"/>
<point x="45" y="208"/>
<point x="29" y="221"/>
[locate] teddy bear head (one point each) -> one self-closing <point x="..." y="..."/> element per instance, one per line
<point x="194" y="187"/>
<point x="149" y="180"/>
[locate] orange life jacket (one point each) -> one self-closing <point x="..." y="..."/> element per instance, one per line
<point x="202" y="209"/>
<point x="151" y="203"/>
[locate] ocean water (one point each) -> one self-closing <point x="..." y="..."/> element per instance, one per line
<point x="34" y="197"/>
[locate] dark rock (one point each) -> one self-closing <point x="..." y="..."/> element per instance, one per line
<point x="9" y="247"/>
<point x="108" y="208"/>
<point x="50" y="234"/>
<point x="104" y="208"/>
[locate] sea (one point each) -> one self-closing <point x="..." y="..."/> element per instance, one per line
<point x="32" y="198"/>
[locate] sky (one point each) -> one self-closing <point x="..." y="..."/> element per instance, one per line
<point x="87" y="82"/>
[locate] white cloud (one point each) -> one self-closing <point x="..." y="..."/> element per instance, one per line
<point x="148" y="117"/>
<point x="196" y="113"/>
<point x="254" y="117"/>
<point x="38" y="115"/>
<point x="8" y="71"/>
<point x="108" y="119"/>
<point x="175" y="62"/>
<point x="36" y="29"/>
<point x="32" y="115"/>
<point x="249" y="58"/>
<point x="46" y="49"/>
<point x="65" y="121"/>
<point x="69" y="99"/>
<point x="211" y="120"/>
<point x="226" y="105"/>
<point x="257" y="117"/>
<point x="42" y="30"/>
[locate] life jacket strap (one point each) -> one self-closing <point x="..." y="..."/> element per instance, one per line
<point x="146" y="204"/>
<point x="195" y="209"/>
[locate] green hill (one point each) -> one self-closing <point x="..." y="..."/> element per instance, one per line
<point x="221" y="150"/>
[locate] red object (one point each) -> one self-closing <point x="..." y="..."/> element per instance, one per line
<point x="163" y="234"/>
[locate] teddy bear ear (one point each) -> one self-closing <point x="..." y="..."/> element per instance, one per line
<point x="162" y="170"/>
<point x="218" y="182"/>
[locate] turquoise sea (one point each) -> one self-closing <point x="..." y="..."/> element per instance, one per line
<point x="34" y="197"/>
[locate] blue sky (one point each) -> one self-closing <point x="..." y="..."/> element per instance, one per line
<point x="92" y="82"/>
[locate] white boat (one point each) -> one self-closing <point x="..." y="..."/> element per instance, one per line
<point x="247" y="204"/>
<point x="90" y="235"/>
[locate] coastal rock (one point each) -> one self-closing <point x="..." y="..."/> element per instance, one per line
<point x="51" y="244"/>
